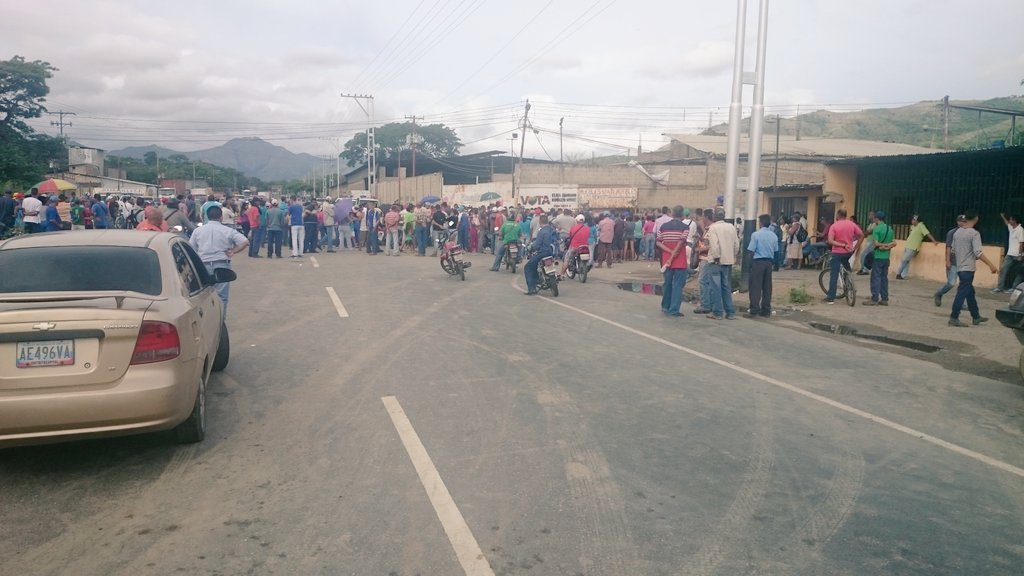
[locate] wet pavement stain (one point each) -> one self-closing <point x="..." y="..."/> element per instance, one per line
<point x="640" y="287"/>
<point x="843" y="330"/>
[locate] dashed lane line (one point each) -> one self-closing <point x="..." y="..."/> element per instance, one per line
<point x="470" y="556"/>
<point x="337" y="302"/>
<point x="993" y="462"/>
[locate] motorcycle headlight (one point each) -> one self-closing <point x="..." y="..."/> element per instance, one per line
<point x="1015" y="296"/>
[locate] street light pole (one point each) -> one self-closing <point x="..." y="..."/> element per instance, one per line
<point x="371" y="152"/>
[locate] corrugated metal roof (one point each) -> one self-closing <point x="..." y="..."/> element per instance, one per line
<point x="809" y="147"/>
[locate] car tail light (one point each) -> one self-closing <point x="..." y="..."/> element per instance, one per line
<point x="157" y="342"/>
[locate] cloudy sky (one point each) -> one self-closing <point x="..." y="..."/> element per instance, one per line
<point x="192" y="74"/>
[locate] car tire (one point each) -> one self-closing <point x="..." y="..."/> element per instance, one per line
<point x="193" y="429"/>
<point x="220" y="361"/>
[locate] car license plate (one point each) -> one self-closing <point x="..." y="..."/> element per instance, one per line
<point x="46" y="353"/>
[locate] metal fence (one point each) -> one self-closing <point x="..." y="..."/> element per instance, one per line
<point x="939" y="187"/>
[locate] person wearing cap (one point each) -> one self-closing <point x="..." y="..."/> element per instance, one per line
<point x="276" y="227"/>
<point x="174" y="217"/>
<point x="951" y="277"/>
<point x="578" y="236"/>
<point x="883" y="236"/>
<point x="967" y="250"/>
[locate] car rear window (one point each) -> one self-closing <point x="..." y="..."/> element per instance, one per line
<point x="79" y="269"/>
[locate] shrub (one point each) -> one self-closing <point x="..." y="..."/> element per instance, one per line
<point x="799" y="295"/>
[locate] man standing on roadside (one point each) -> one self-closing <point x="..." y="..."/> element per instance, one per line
<point x="256" y="230"/>
<point x="275" y="230"/>
<point x="764" y="245"/>
<point x="216" y="244"/>
<point x="605" y="237"/>
<point x="918" y="232"/>
<point x="951" y="274"/>
<point x="966" y="252"/>
<point x="421" y="219"/>
<point x="672" y="239"/>
<point x="844" y="237"/>
<point x="437" y="227"/>
<point x="723" y="247"/>
<point x="1007" y="272"/>
<point x="393" y="231"/>
<point x="703" y="270"/>
<point x="330" y="226"/>
<point x="32" y="212"/>
<point x="295" y="225"/>
<point x="884" y="240"/>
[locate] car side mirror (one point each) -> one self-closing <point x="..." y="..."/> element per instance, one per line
<point x="224" y="275"/>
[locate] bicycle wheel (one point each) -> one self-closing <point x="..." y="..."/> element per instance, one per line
<point x="851" y="289"/>
<point x="823" y="279"/>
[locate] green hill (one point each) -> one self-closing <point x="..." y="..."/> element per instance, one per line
<point x="918" y="124"/>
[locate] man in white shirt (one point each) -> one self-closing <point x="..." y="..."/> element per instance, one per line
<point x="723" y="247"/>
<point x="1013" y="254"/>
<point x="33" y="212"/>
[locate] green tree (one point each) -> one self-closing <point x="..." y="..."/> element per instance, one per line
<point x="435" y="140"/>
<point x="149" y="158"/>
<point x="25" y="157"/>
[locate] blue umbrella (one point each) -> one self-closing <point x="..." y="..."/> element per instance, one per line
<point x="430" y="200"/>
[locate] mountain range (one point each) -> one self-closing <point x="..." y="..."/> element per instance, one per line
<point x="251" y="156"/>
<point x="920" y="124"/>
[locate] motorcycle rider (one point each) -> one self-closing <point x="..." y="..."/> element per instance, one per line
<point x="509" y="233"/>
<point x="578" y="236"/>
<point x="543" y="246"/>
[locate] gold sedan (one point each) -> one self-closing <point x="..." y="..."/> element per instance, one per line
<point x="106" y="333"/>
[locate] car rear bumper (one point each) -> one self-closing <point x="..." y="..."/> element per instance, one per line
<point x="1012" y="319"/>
<point x="148" y="398"/>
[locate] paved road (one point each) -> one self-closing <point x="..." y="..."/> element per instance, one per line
<point x="448" y="428"/>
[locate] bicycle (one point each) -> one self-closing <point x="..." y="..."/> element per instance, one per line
<point x="845" y="287"/>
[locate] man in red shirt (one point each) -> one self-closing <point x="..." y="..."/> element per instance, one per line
<point x="579" y="235"/>
<point x="256" y="231"/>
<point x="393" y="231"/>
<point x="672" y="241"/>
<point x="844" y="236"/>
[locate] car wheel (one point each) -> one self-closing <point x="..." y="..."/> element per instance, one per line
<point x="220" y="361"/>
<point x="223" y="350"/>
<point x="193" y="429"/>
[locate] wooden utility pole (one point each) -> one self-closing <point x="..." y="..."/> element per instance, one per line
<point x="522" y="149"/>
<point x="61" y="123"/>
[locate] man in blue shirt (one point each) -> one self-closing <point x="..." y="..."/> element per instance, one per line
<point x="544" y="244"/>
<point x="215" y="244"/>
<point x="100" y="214"/>
<point x="296" y="227"/>
<point x="763" y="244"/>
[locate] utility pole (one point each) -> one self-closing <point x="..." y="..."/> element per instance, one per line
<point x="61" y="123"/>
<point x="412" y="141"/>
<point x="945" y="123"/>
<point x="522" y="149"/>
<point x="561" y="160"/>
<point x="797" y="122"/>
<point x="778" y="129"/>
<point x="371" y="145"/>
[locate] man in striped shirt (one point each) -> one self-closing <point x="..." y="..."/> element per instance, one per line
<point x="672" y="241"/>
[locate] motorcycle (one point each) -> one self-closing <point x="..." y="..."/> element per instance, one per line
<point x="452" y="259"/>
<point x="548" y="275"/>
<point x="579" y="265"/>
<point x="511" y="257"/>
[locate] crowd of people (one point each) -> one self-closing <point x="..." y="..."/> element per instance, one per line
<point x="705" y="243"/>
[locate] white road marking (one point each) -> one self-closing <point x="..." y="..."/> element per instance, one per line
<point x="470" y="556"/>
<point x="1005" y="466"/>
<point x="337" y="302"/>
<point x="313" y="260"/>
